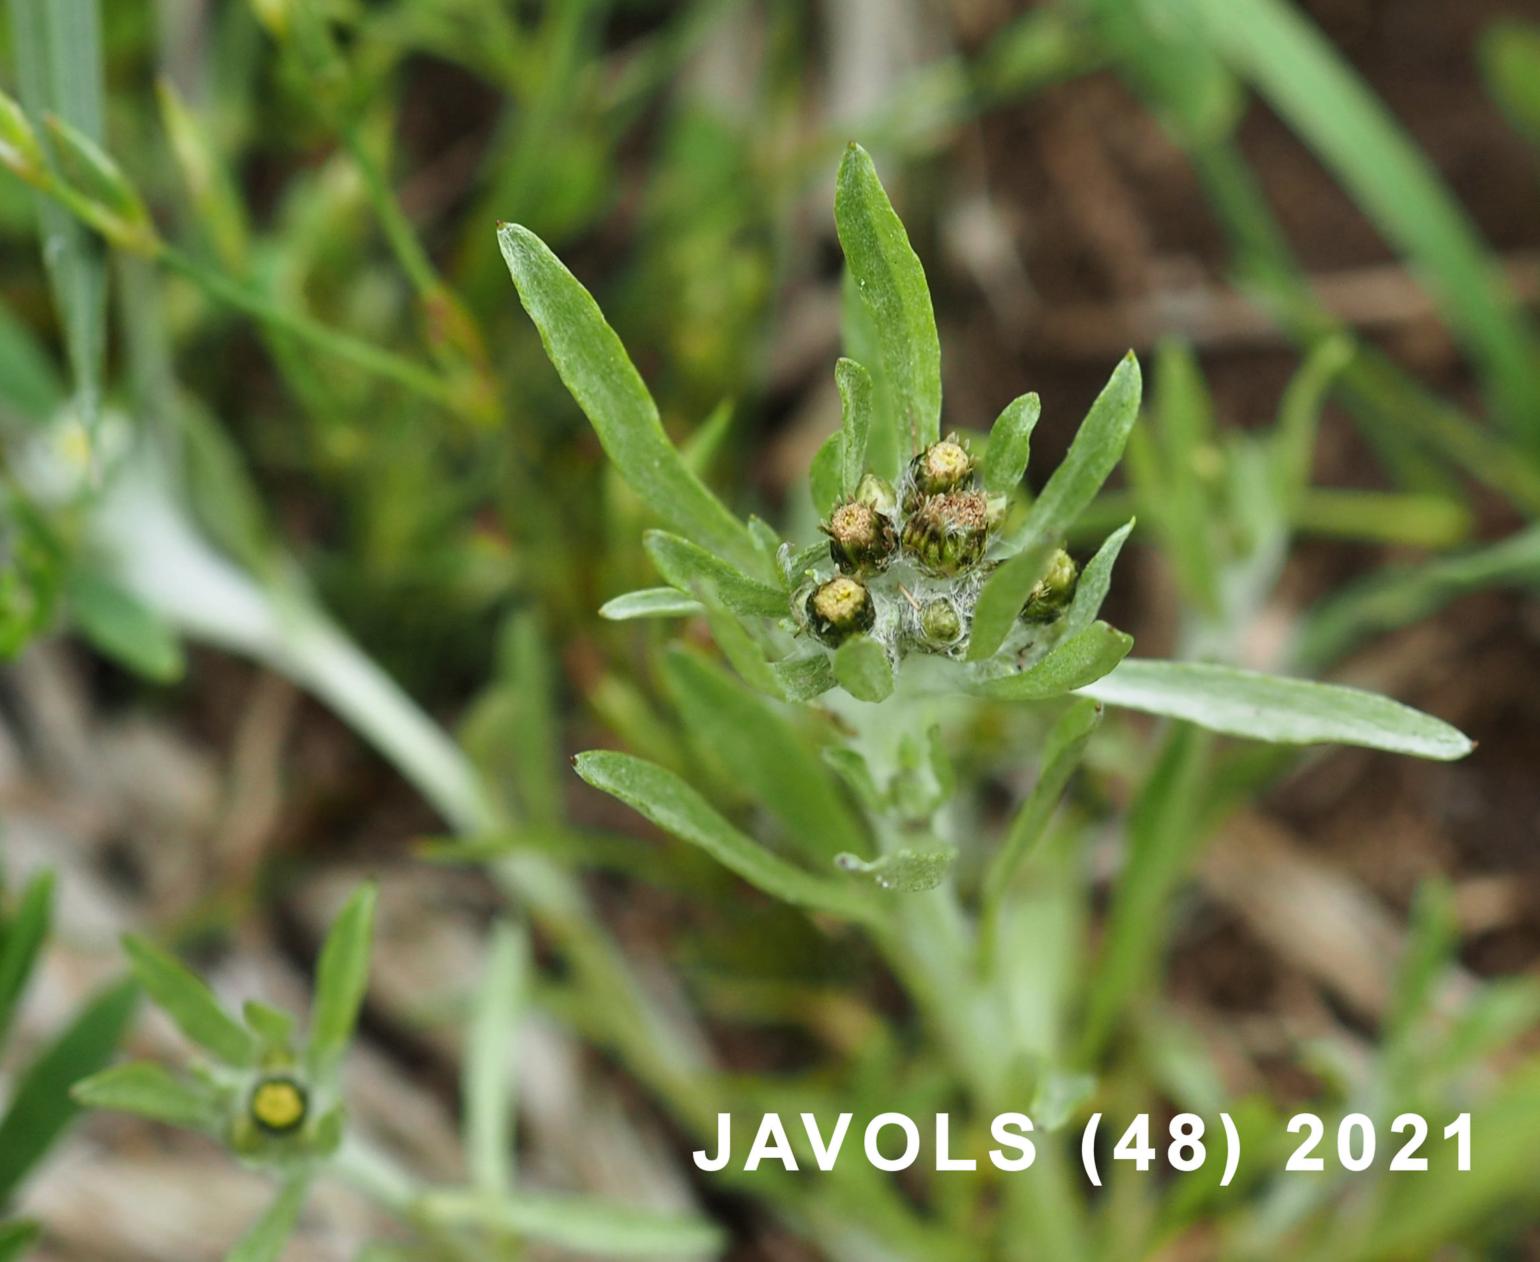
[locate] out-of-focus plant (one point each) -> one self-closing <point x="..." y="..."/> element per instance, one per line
<point x="38" y="1107"/>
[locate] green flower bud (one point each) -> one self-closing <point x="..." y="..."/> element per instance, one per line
<point x="861" y="539"/>
<point x="278" y="1104"/>
<point x="1054" y="590"/>
<point x="878" y="492"/>
<point x="940" y="623"/>
<point x="947" y="534"/>
<point x="940" y="469"/>
<point x="840" y="608"/>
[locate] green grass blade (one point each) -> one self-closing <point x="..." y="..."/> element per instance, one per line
<point x="890" y="278"/>
<point x="488" y="1083"/>
<point x="594" y="366"/>
<point x="341" y="977"/>
<point x="265" y="1239"/>
<point x="41" y="1106"/>
<point x="1276" y="709"/>
<point x="21" y="938"/>
<point x="1291" y="63"/>
<point x="1510" y="63"/>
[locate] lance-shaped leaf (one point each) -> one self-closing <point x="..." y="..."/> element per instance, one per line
<point x="688" y="566"/>
<point x="1074" y="662"/>
<point x="675" y="807"/>
<point x="890" y="279"/>
<point x="41" y="1106"/>
<point x="265" y="1239"/>
<point x="1095" y="580"/>
<point x="596" y="369"/>
<point x="863" y="670"/>
<point x="855" y="386"/>
<point x="190" y="1003"/>
<point x="1272" y="708"/>
<point x="651" y="602"/>
<point x="342" y="976"/>
<point x="149" y="1090"/>
<point x="823" y="475"/>
<point x="123" y="628"/>
<point x="1010" y="444"/>
<point x="1095" y="452"/>
<point x="765" y="754"/>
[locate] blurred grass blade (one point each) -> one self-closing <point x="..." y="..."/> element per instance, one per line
<point x="1095" y="581"/>
<point x="1180" y="504"/>
<point x="1510" y="63"/>
<point x="651" y="602"/>
<point x="58" y="50"/>
<point x="1319" y="95"/>
<point x="124" y="629"/>
<point x="892" y="282"/>
<point x="687" y="565"/>
<point x="863" y="670"/>
<point x="265" y="1239"/>
<point x="218" y="210"/>
<point x="590" y="1227"/>
<point x="189" y="1003"/>
<point x="1073" y="663"/>
<point x="16" y="1238"/>
<point x="1276" y="709"/>
<point x="1094" y="453"/>
<point x="855" y="390"/>
<point x="678" y="809"/>
<point x="148" y="1090"/>
<point x="491" y="1043"/>
<point x="21" y="938"/>
<point x="341" y="977"/>
<point x="41" y="1106"/>
<point x="596" y="369"/>
<point x="763" y="753"/>
<point x="1299" y="416"/>
<point x="273" y="1026"/>
<point x="1010" y="444"/>
<point x="29" y="385"/>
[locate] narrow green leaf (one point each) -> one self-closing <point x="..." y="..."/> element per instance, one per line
<point x="765" y="754"/>
<point x="595" y="1228"/>
<point x="675" y="807"/>
<point x="1002" y="597"/>
<point x="1095" y="581"/>
<point x="265" y="1239"/>
<point x="685" y="565"/>
<point x="17" y="1237"/>
<point x="21" y="938"/>
<point x="41" y="1106"/>
<point x="273" y="1026"/>
<point x="824" y="474"/>
<point x="1073" y="663"/>
<point x="1273" y="708"/>
<point x="1181" y="504"/>
<point x="909" y="871"/>
<point x="526" y="677"/>
<point x="891" y="280"/>
<point x="1010" y="444"/>
<point x="651" y="602"/>
<point x="123" y="628"/>
<point x="1061" y="755"/>
<point x="1092" y="456"/>
<point x="1510" y="63"/>
<point x="701" y="448"/>
<point x="1299" y="416"/>
<point x="88" y="169"/>
<point x="29" y="383"/>
<point x="855" y="389"/>
<point x="190" y="1003"/>
<point x="341" y="977"/>
<point x="742" y="650"/>
<point x="220" y="213"/>
<point x="57" y="45"/>
<point x="149" y="1090"/>
<point x="595" y="368"/>
<point x="488" y="1083"/>
<point x="863" y="670"/>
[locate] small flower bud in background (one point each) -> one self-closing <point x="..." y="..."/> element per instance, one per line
<point x="840" y="608"/>
<point x="940" y="623"/>
<point x="947" y="534"/>
<point x="1054" y="590"/>
<point x="861" y="539"/>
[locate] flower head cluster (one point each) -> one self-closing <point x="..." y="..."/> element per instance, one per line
<point x="910" y="561"/>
